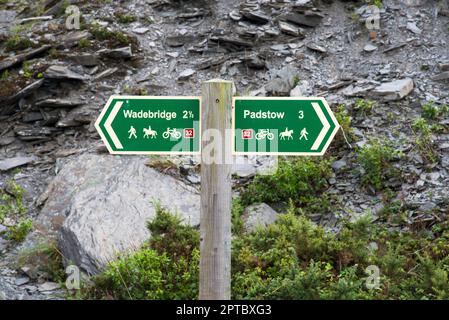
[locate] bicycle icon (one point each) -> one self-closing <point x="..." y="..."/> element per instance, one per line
<point x="264" y="133"/>
<point x="171" y="133"/>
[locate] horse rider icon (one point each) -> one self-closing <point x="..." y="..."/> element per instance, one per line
<point x="132" y="133"/>
<point x="304" y="134"/>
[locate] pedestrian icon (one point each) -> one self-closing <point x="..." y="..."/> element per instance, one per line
<point x="132" y="133"/>
<point x="304" y="134"/>
<point x="149" y="133"/>
<point x="286" y="134"/>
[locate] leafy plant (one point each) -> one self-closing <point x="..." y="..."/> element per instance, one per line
<point x="301" y="180"/>
<point x="364" y="107"/>
<point x="12" y="212"/>
<point x="424" y="142"/>
<point x="375" y="161"/>
<point x="17" y="43"/>
<point x="123" y="17"/>
<point x="290" y="259"/>
<point x="433" y="112"/>
<point x="47" y="258"/>
<point x="20" y="230"/>
<point x="165" y="268"/>
<point x="102" y="33"/>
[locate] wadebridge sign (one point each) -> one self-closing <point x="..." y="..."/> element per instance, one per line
<point x="260" y="125"/>
<point x="151" y="125"/>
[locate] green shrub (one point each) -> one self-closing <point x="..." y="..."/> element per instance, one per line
<point x="301" y="180"/>
<point x="344" y="119"/>
<point x="364" y="107"/>
<point x="424" y="142"/>
<point x="20" y="230"/>
<point x="147" y="274"/>
<point x="13" y="210"/>
<point x="17" y="43"/>
<point x="375" y="161"/>
<point x="433" y="112"/>
<point x="169" y="235"/>
<point x="165" y="268"/>
<point x="123" y="17"/>
<point x="290" y="259"/>
<point x="115" y="37"/>
<point x="47" y="257"/>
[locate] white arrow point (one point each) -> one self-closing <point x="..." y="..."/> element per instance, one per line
<point x="108" y="125"/>
<point x="326" y="126"/>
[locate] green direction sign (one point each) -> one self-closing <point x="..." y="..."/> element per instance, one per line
<point x="282" y="126"/>
<point x="151" y="125"/>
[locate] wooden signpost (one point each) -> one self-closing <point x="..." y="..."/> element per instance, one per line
<point x="204" y="125"/>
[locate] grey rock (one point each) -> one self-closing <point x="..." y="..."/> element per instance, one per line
<point x="32" y="19"/>
<point x="63" y="73"/>
<point x="4" y="141"/>
<point x="48" y="286"/>
<point x="76" y="117"/>
<point x="308" y="18"/>
<point x="72" y="38"/>
<point x="118" y="53"/>
<point x="59" y="103"/>
<point x="14" y="60"/>
<point x="254" y="61"/>
<point x="21" y="281"/>
<point x="258" y="215"/>
<point x="235" y="15"/>
<point x="290" y="29"/>
<point x="394" y="90"/>
<point x="7" y="104"/>
<point x="244" y="170"/>
<point x="141" y="30"/>
<point x="179" y="40"/>
<point x="302" y="5"/>
<point x="30" y="271"/>
<point x="193" y="178"/>
<point x="443" y="66"/>
<point x="395" y="47"/>
<point x="32" y="116"/>
<point x="441" y="76"/>
<point x="369" y="47"/>
<point x="85" y="59"/>
<point x="414" y="3"/>
<point x="256" y="16"/>
<point x="11" y="163"/>
<point x="186" y="74"/>
<point x="6" y="18"/>
<point x="278" y="87"/>
<point x="301" y="90"/>
<point x="106" y="73"/>
<point x="357" y="91"/>
<point x="316" y="47"/>
<point x="282" y="82"/>
<point x="231" y="43"/>
<point x="99" y="206"/>
<point x="411" y="26"/>
<point x="339" y="164"/>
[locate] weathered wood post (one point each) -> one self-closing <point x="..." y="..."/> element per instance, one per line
<point x="215" y="247"/>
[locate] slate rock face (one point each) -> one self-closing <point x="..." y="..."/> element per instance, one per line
<point x="98" y="206"/>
